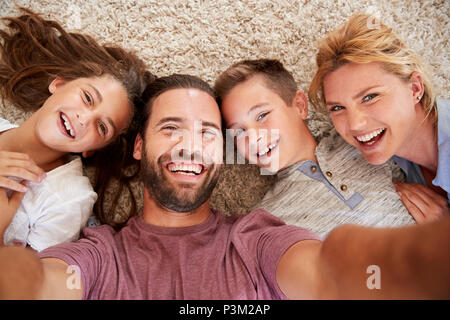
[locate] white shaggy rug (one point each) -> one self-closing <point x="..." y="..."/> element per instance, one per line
<point x="203" y="38"/>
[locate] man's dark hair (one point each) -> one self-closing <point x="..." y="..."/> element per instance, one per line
<point x="163" y="84"/>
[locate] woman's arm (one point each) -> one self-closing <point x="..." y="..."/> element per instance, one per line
<point x="357" y="262"/>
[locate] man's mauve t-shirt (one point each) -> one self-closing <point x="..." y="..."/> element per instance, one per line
<point x="224" y="257"/>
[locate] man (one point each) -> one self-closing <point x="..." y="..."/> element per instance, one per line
<point x="180" y="249"/>
<point x="318" y="186"/>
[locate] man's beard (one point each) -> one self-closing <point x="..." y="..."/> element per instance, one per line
<point x="180" y="197"/>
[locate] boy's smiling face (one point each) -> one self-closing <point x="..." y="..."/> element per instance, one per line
<point x="267" y="131"/>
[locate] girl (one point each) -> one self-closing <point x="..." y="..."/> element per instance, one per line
<point x="84" y="97"/>
<point x="381" y="101"/>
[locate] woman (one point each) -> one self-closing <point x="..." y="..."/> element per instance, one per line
<point x="84" y="97"/>
<point x="380" y="100"/>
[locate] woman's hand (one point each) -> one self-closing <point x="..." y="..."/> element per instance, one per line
<point x="423" y="203"/>
<point x="21" y="166"/>
<point x="8" y="208"/>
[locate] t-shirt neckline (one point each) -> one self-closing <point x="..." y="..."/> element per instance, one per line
<point x="209" y="221"/>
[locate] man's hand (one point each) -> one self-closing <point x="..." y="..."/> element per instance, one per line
<point x="423" y="203"/>
<point x="24" y="276"/>
<point x="413" y="263"/>
<point x="21" y="273"/>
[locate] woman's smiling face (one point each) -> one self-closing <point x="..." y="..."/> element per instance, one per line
<point x="372" y="109"/>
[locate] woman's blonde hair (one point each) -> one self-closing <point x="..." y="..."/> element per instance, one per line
<point x="361" y="41"/>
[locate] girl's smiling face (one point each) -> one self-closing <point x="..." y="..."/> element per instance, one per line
<point x="374" y="110"/>
<point x="84" y="114"/>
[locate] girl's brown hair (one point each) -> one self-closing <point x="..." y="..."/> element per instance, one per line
<point x="34" y="51"/>
<point x="360" y="41"/>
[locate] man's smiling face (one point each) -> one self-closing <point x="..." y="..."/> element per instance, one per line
<point x="182" y="150"/>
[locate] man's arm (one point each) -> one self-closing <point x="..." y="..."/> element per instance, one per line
<point x="24" y="276"/>
<point x="357" y="262"/>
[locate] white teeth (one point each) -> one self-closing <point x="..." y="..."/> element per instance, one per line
<point x="67" y="125"/>
<point x="187" y="173"/>
<point x="369" y="136"/>
<point x="188" y="169"/>
<point x="266" y="150"/>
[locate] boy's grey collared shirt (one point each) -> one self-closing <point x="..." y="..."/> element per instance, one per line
<point x="341" y="188"/>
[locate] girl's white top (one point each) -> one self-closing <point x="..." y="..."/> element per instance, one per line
<point x="54" y="210"/>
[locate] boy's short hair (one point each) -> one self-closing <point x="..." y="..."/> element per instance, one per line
<point x="276" y="77"/>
